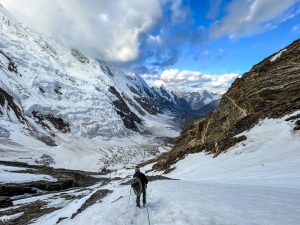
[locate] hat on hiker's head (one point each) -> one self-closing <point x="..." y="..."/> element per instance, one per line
<point x="137" y="169"/>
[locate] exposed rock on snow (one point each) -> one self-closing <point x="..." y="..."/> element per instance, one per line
<point x="40" y="178"/>
<point x="79" y="56"/>
<point x="95" y="197"/>
<point x="5" y="202"/>
<point x="129" y="118"/>
<point x="297" y="125"/>
<point x="8" y="103"/>
<point x="58" y="123"/>
<point x="25" y="213"/>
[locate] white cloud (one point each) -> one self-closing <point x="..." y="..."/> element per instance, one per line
<point x="154" y="39"/>
<point x="249" y="17"/>
<point x="103" y="17"/>
<point x="110" y="30"/>
<point x="221" y="80"/>
<point x="159" y="83"/>
<point x="185" y="80"/>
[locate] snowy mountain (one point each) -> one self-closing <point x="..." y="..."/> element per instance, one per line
<point x="204" y="102"/>
<point x="198" y="100"/>
<point x="54" y="97"/>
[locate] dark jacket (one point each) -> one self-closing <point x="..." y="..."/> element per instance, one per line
<point x="142" y="178"/>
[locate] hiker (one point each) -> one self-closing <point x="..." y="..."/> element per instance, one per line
<point x="139" y="185"/>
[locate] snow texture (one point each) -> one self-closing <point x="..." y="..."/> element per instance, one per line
<point x="10" y="177"/>
<point x="6" y="219"/>
<point x="277" y="55"/>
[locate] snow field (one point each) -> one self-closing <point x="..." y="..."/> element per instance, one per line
<point x="254" y="183"/>
<point x="190" y="203"/>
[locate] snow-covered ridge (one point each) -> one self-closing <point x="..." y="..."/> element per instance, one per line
<point x="198" y="100"/>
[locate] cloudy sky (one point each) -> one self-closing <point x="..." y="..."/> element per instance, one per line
<point x="181" y="44"/>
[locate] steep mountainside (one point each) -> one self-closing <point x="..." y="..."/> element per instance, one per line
<point x="269" y="90"/>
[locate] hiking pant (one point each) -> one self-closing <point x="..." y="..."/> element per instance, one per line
<point x="138" y="197"/>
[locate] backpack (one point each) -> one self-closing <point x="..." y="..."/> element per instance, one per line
<point x="136" y="185"/>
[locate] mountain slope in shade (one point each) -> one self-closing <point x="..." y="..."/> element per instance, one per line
<point x="269" y="90"/>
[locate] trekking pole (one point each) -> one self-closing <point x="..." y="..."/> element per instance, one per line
<point x="129" y="196"/>
<point x="148" y="216"/>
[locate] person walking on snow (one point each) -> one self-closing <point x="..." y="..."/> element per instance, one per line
<point x="144" y="181"/>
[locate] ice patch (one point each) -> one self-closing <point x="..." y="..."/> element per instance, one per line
<point x="10" y="177"/>
<point x="6" y="219"/>
<point x="277" y="55"/>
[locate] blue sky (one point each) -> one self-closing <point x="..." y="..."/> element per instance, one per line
<point x="224" y="55"/>
<point x="230" y="47"/>
<point x="187" y="45"/>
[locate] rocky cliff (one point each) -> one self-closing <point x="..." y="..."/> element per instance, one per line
<point x="271" y="89"/>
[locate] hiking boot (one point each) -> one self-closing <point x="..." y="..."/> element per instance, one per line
<point x="138" y="206"/>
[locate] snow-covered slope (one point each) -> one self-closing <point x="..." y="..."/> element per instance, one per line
<point x="255" y="182"/>
<point x="268" y="157"/>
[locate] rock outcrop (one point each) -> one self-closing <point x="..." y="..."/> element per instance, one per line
<point x="65" y="179"/>
<point x="270" y="90"/>
<point x="5" y="202"/>
<point x="129" y="118"/>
